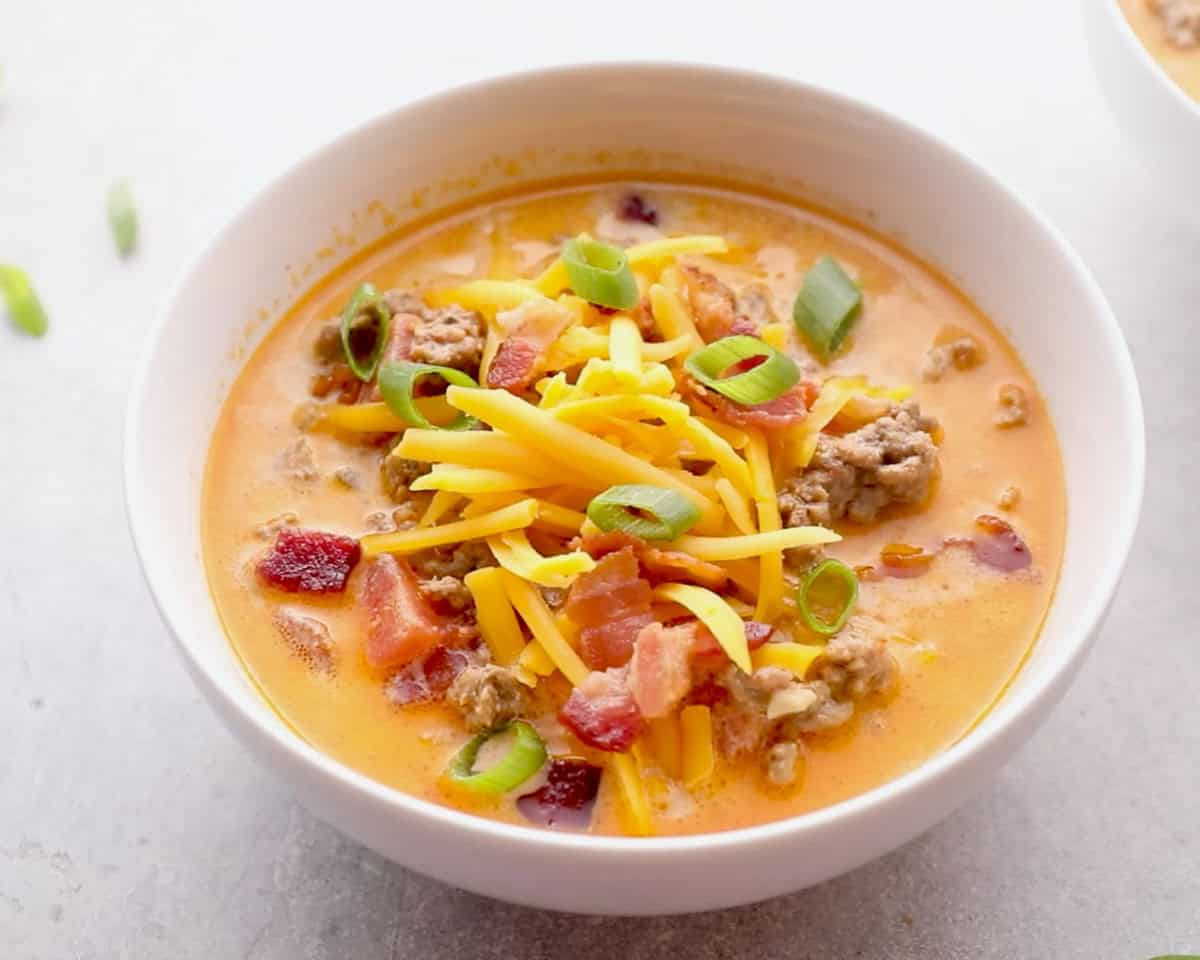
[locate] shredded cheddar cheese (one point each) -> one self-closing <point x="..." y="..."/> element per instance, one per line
<point x="520" y="514"/>
<point x="699" y="759"/>
<point x="514" y="553"/>
<point x="712" y="610"/>
<point x="537" y="616"/>
<point x="497" y="621"/>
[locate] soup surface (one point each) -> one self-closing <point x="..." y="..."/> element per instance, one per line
<point x="1170" y="30"/>
<point x="690" y="679"/>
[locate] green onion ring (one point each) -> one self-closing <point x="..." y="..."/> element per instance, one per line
<point x="397" y="381"/>
<point x="23" y="303"/>
<point x="771" y="378"/>
<point x="599" y="272"/>
<point x="524" y="758"/>
<point x="366" y="300"/>
<point x="827" y="306"/>
<point x="670" y="513"/>
<point x="122" y="218"/>
<point x="839" y="572"/>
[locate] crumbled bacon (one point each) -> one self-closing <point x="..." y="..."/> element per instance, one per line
<point x="634" y="207"/>
<point x="1000" y="546"/>
<point x="401" y="625"/>
<point x="660" y="671"/>
<point x="398" y="347"/>
<point x="427" y="679"/>
<point x="309" y="561"/>
<point x="610" y="604"/>
<point x="566" y="799"/>
<point x="713" y="303"/>
<point x="657" y="565"/>
<point x="529" y="330"/>
<point x="602" y="713"/>
<point x="786" y="410"/>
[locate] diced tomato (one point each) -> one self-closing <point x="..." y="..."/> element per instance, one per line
<point x="309" y="561"/>
<point x="602" y="713"/>
<point x="427" y="679"/>
<point x="659" y="672"/>
<point x="401" y="625"/>
<point x="610" y="604"/>
<point x="567" y="798"/>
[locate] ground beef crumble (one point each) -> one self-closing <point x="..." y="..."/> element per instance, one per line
<point x="449" y="337"/>
<point x="488" y="696"/>
<point x="1013" y="406"/>
<point x="1181" y="21"/>
<point x="890" y="461"/>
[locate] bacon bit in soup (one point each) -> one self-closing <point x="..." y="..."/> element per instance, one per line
<point x="705" y="643"/>
<point x="567" y="798"/>
<point x="602" y="713"/>
<point x="660" y="670"/>
<point x="427" y="679"/>
<point x="784" y="411"/>
<point x="309" y="561"/>
<point x="401" y="625"/>
<point x="610" y="604"/>
<point x="1000" y="546"/>
<point x="657" y="565"/>
<point x="634" y="207"/>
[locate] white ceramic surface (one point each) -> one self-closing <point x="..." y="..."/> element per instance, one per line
<point x="1154" y="111"/>
<point x="935" y="200"/>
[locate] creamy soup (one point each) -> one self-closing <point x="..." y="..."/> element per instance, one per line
<point x="1170" y="30"/>
<point x="751" y="512"/>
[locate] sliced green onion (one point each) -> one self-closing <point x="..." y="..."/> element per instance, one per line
<point x="366" y="317"/>
<point x="522" y="760"/>
<point x="832" y="585"/>
<point x="775" y="374"/>
<point x="398" y="380"/>
<point x="826" y="307"/>
<point x="599" y="272"/>
<point x="643" y="510"/>
<point x="23" y="303"/>
<point x="122" y="218"/>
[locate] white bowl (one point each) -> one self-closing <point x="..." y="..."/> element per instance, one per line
<point x="1154" y="111"/>
<point x="602" y="118"/>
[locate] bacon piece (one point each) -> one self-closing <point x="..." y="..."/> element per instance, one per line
<point x="1000" y="546"/>
<point x="602" y="713"/>
<point x="566" y="799"/>
<point x="660" y="671"/>
<point x="529" y="330"/>
<point x="401" y="625"/>
<point x="707" y="694"/>
<point x="513" y="366"/>
<point x="309" y="561"/>
<point x="610" y="604"/>
<point x="786" y="410"/>
<point x="657" y="565"/>
<point x="634" y="207"/>
<point x="398" y="347"/>
<point x="713" y="305"/>
<point x="427" y="679"/>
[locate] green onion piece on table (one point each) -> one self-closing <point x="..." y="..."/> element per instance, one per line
<point x="827" y="307"/>
<point x="23" y="303"/>
<point x="122" y="218"/>
<point x="832" y="586"/>
<point x="398" y="381"/>
<point x="599" y="272"/>
<point x="522" y="760"/>
<point x="366" y="323"/>
<point x="744" y="369"/>
<point x="643" y="510"/>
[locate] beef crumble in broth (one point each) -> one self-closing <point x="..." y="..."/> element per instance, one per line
<point x="1170" y="31"/>
<point x="951" y="596"/>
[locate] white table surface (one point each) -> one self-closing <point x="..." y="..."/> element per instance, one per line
<point x="132" y="825"/>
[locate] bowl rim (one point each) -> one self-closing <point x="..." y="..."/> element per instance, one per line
<point x="1145" y="58"/>
<point x="1025" y="705"/>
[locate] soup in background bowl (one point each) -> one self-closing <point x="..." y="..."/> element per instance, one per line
<point x="1147" y="58"/>
<point x="929" y="474"/>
